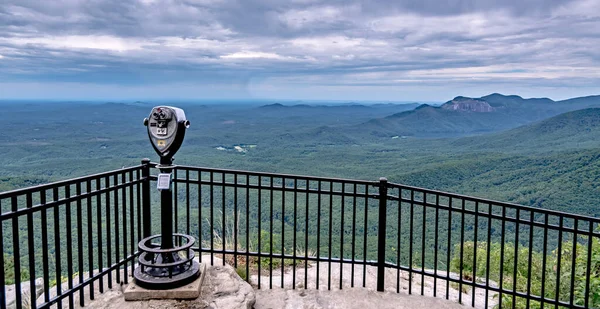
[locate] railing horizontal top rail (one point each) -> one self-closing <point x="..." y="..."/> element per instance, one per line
<point x="277" y="175"/>
<point x="62" y="201"/>
<point x="61" y="183"/>
<point x="398" y="186"/>
<point x="491" y="202"/>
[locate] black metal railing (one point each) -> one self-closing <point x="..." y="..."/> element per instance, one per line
<point x="304" y="232"/>
<point x="74" y="234"/>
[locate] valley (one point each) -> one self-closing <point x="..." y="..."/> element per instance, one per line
<point x="528" y="151"/>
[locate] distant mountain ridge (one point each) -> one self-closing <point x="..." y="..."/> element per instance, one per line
<point x="279" y="106"/>
<point x="578" y="129"/>
<point x="464" y="116"/>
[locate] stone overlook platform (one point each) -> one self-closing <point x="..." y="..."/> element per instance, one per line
<point x="224" y="289"/>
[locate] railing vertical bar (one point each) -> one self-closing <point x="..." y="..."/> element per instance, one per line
<point x="423" y="236"/>
<point x="306" y="208"/>
<point x="57" y="266"/>
<point x="449" y="247"/>
<point x="382" y="233"/>
<point x="294" y="246"/>
<point x="187" y="202"/>
<point x="514" y="278"/>
<point x="247" y="227"/>
<point x="90" y="244"/>
<point x="487" y="258"/>
<point x="3" y="274"/>
<point x="146" y="203"/>
<point x="330" y="236"/>
<point x="124" y="213"/>
<point x="138" y="209"/>
<point x="69" y="228"/>
<point x="462" y="249"/>
<point x="282" y="229"/>
<point x="224" y="211"/>
<point x="544" y="254"/>
<point x="99" y="231"/>
<point x="588" y="266"/>
<point x="559" y="258"/>
<point x="475" y="234"/>
<point x="399" y="243"/>
<point x="353" y="234"/>
<point x="503" y="229"/>
<point x="200" y="215"/>
<point x="45" y="245"/>
<point x="132" y="214"/>
<point x="235" y="220"/>
<point x="411" y="240"/>
<point x="212" y="219"/>
<point x="435" y="243"/>
<point x="365" y="230"/>
<point x="259" y="198"/>
<point x="108" y="236"/>
<point x="530" y="257"/>
<point x="117" y="223"/>
<point x="31" y="252"/>
<point x="318" y="233"/>
<point x="573" y="256"/>
<point x="271" y="232"/>
<point x="343" y="203"/>
<point x="175" y="199"/>
<point x="16" y="252"/>
<point x="79" y="243"/>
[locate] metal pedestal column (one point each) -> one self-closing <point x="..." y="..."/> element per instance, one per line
<point x="164" y="265"/>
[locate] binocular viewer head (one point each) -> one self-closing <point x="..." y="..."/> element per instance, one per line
<point x="166" y="129"/>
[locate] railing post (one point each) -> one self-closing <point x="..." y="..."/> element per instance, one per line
<point x="147" y="227"/>
<point x="383" y="192"/>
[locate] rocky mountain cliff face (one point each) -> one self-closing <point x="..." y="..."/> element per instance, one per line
<point x="464" y="104"/>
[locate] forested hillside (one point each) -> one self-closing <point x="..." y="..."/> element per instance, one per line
<point x="552" y="163"/>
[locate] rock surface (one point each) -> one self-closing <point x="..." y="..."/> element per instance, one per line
<point x="464" y="104"/>
<point x="352" y="284"/>
<point x="350" y="298"/>
<point x="222" y="289"/>
<point x="25" y="293"/>
<point x="225" y="289"/>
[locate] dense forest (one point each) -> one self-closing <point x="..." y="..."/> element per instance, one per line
<point x="550" y="164"/>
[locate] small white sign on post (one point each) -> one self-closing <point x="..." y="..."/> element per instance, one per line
<point x="164" y="181"/>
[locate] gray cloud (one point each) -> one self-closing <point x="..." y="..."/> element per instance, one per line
<point x="303" y="43"/>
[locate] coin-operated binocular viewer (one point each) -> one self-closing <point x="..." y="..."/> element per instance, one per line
<point x="166" y="129"/>
<point x="164" y="265"/>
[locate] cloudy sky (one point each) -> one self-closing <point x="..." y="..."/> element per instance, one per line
<point x="394" y="50"/>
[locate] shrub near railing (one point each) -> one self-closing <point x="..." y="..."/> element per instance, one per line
<point x="540" y="278"/>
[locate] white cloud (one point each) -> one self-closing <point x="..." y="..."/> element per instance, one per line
<point x="337" y="44"/>
<point x="473" y="25"/>
<point x="587" y="8"/>
<point x="252" y="55"/>
<point x="196" y="43"/>
<point x="1" y="56"/>
<point x="100" y="42"/>
<point x="298" y="19"/>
